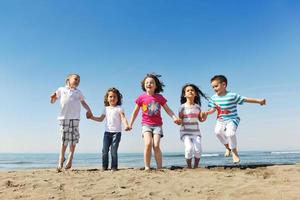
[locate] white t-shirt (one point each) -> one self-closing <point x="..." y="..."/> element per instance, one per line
<point x="70" y="103"/>
<point x="113" y="118"/>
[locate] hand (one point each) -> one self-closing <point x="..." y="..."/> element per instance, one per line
<point x="89" y="114"/>
<point x="177" y="121"/>
<point x="128" y="128"/>
<point x="53" y="98"/>
<point x="262" y="102"/>
<point x="203" y="116"/>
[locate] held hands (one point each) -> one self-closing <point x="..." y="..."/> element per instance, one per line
<point x="128" y="128"/>
<point x="203" y="116"/>
<point x="176" y="120"/>
<point x="89" y="114"/>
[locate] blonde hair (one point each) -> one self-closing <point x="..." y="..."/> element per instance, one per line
<point x="69" y="76"/>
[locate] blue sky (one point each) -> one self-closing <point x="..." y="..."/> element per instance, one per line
<point x="256" y="44"/>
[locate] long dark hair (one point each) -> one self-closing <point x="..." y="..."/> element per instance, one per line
<point x="199" y="93"/>
<point x="159" y="84"/>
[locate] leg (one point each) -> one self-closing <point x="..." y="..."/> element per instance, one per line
<point x="198" y="150"/>
<point x="105" y="149"/>
<point x="188" y="148"/>
<point x="61" y="157"/>
<point x="231" y="134"/>
<point x="235" y="156"/>
<point x="196" y="162"/>
<point x="147" y="149"/>
<point x="227" y="150"/>
<point x="189" y="163"/>
<point x="157" y="151"/>
<point x="71" y="155"/>
<point x="220" y="133"/>
<point x="114" y="150"/>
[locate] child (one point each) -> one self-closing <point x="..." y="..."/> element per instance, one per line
<point x="70" y="99"/>
<point x="114" y="114"/>
<point x="190" y="113"/>
<point x="151" y="102"/>
<point x="225" y="103"/>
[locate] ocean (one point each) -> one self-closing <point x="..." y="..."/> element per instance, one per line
<point x="24" y="161"/>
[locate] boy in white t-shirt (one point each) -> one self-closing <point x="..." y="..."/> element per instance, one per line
<point x="69" y="116"/>
<point x="114" y="114"/>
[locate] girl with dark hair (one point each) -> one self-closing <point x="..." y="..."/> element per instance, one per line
<point x="190" y="113"/>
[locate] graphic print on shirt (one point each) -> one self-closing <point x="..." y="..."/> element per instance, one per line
<point x="152" y="108"/>
<point x="220" y="111"/>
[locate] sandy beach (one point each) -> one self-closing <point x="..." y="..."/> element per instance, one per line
<point x="274" y="182"/>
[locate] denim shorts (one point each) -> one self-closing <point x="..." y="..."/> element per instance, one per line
<point x="152" y="129"/>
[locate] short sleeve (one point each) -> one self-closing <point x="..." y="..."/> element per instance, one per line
<point x="58" y="92"/>
<point x="103" y="111"/>
<point x="121" y="110"/>
<point x="211" y="104"/>
<point x="180" y="110"/>
<point x="80" y="95"/>
<point x="161" y="100"/>
<point x="138" y="101"/>
<point x="239" y="99"/>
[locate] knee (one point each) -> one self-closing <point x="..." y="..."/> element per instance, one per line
<point x="197" y="153"/>
<point x="188" y="152"/>
<point x="156" y="147"/>
<point x="218" y="131"/>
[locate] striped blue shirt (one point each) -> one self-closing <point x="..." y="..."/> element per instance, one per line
<point x="226" y="106"/>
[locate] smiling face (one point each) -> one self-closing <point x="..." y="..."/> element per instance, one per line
<point x="112" y="98"/>
<point x="150" y="85"/>
<point x="219" y="87"/>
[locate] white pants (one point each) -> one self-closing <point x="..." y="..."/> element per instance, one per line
<point x="192" y="144"/>
<point x="226" y="133"/>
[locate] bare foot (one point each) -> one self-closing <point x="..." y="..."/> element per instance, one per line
<point x="68" y="166"/>
<point x="227" y="152"/>
<point x="235" y="158"/>
<point x="59" y="169"/>
<point x="147" y="169"/>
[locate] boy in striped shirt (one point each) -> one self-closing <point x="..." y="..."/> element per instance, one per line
<point x="225" y="103"/>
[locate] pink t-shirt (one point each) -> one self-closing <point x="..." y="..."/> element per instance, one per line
<point x="151" y="108"/>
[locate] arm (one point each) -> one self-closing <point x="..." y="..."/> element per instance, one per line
<point x="210" y="111"/>
<point x="134" y="115"/>
<point x="203" y="116"/>
<point x="125" y="122"/>
<point x="84" y="104"/>
<point x="53" y="98"/>
<point x="171" y="114"/>
<point x="98" y="119"/>
<point x="89" y="113"/>
<point x="253" y="100"/>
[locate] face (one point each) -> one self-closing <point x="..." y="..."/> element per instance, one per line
<point x="219" y="88"/>
<point x="150" y="85"/>
<point x="189" y="92"/>
<point x="112" y="98"/>
<point x="74" y="81"/>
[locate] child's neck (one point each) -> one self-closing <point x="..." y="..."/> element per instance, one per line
<point x="150" y="93"/>
<point x="190" y="102"/>
<point x="223" y="93"/>
<point x="72" y="87"/>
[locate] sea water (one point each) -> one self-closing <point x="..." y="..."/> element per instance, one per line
<point x="21" y="161"/>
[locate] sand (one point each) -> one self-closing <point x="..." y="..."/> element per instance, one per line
<point x="274" y="182"/>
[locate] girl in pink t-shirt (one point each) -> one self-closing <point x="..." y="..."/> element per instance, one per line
<point x="151" y="102"/>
